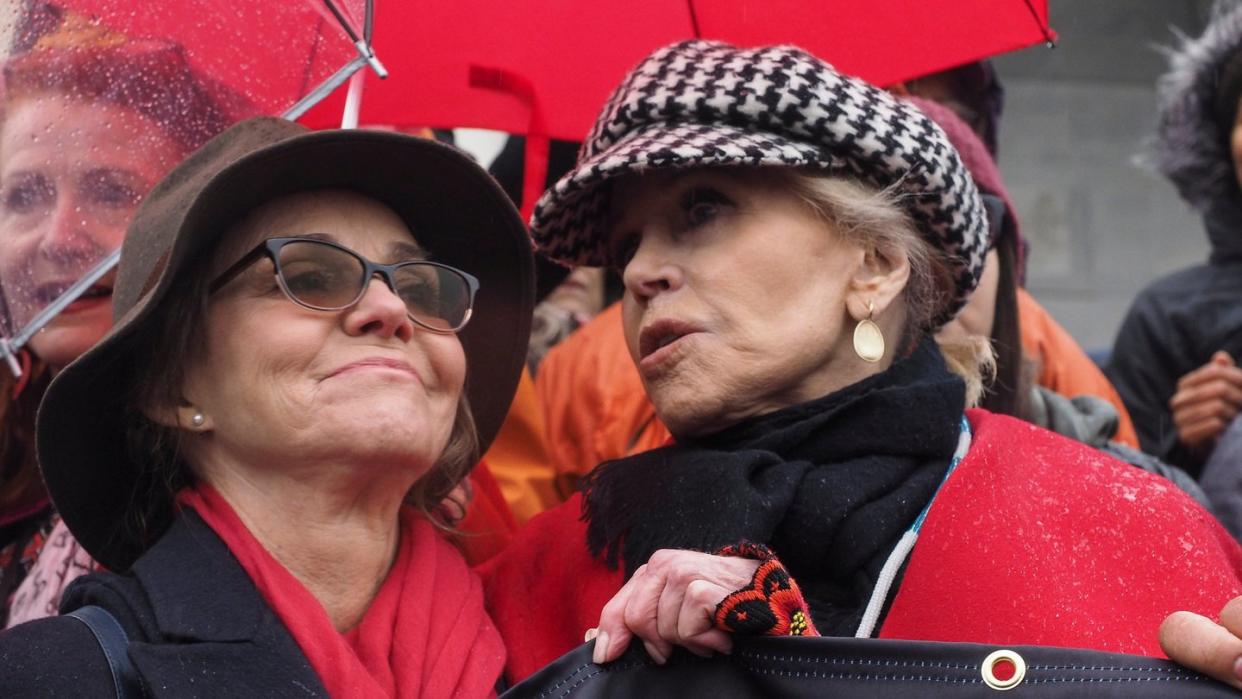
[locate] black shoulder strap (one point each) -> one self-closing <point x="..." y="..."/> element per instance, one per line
<point x="115" y="645"/>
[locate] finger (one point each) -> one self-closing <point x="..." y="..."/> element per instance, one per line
<point x="711" y="641"/>
<point x="1218" y="390"/>
<point x="698" y="610"/>
<point x="1222" y="358"/>
<point x="1200" y="644"/>
<point x="1211" y="372"/>
<point x="669" y="610"/>
<point x="641" y="612"/>
<point x="1203" y="432"/>
<point x="1231" y="616"/>
<point x="613" y="636"/>
<point x="1213" y="410"/>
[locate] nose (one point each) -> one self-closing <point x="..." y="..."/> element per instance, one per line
<point x="653" y="269"/>
<point x="379" y="311"/>
<point x="66" y="239"/>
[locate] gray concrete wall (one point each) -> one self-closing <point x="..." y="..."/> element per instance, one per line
<point x="1100" y="227"/>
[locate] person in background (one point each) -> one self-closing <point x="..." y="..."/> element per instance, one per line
<point x="257" y="450"/>
<point x="1174" y="360"/>
<point x="973" y="91"/>
<point x="91" y="121"/>
<point x="519" y="463"/>
<point x="1074" y="399"/>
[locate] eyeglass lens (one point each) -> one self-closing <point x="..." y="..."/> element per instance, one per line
<point x="327" y="278"/>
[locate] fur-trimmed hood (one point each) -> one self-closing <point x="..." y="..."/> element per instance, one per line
<point x="1190" y="147"/>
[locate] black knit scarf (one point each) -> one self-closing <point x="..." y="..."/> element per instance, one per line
<point x="829" y="485"/>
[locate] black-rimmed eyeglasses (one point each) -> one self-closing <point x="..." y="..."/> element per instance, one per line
<point x="325" y="276"/>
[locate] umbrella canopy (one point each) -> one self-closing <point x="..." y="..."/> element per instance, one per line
<point x="546" y="66"/>
<point x="102" y="97"/>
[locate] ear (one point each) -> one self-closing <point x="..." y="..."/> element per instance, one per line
<point x="878" y="281"/>
<point x="180" y="417"/>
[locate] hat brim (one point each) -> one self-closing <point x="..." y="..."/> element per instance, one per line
<point x="569" y="226"/>
<point x="454" y="209"/>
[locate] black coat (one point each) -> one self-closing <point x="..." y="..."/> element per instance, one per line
<point x="1173" y="328"/>
<point x="197" y="626"/>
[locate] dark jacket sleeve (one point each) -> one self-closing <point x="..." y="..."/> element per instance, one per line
<point x="1147" y="361"/>
<point x="57" y="657"/>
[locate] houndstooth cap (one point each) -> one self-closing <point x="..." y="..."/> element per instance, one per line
<point x="708" y="104"/>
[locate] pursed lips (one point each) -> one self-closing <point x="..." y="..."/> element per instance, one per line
<point x="661" y="333"/>
<point x="377" y="363"/>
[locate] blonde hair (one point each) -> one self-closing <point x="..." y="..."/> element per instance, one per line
<point x="875" y="220"/>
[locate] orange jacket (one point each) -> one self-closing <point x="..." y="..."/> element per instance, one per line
<point x="512" y="483"/>
<point x="594" y="404"/>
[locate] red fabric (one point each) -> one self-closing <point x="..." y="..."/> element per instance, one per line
<point x="488" y="527"/>
<point x="24" y="511"/>
<point x="1087" y="554"/>
<point x="425" y="634"/>
<point x="574" y="53"/>
<point x="1035" y="539"/>
<point x="546" y="590"/>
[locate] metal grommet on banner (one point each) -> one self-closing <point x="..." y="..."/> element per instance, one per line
<point x="1003" y="669"/>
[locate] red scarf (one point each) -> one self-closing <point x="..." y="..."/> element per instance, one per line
<point x="425" y="634"/>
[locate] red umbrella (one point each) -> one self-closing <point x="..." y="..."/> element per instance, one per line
<point x="544" y="67"/>
<point x="274" y="52"/>
<point x="485" y="64"/>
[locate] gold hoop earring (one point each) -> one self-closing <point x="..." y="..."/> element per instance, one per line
<point x="868" y="340"/>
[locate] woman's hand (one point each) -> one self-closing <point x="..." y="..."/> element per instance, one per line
<point x="1203" y="645"/>
<point x="1206" y="401"/>
<point x="671" y="601"/>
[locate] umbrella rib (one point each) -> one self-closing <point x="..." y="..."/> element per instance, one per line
<point x="1043" y="26"/>
<point x="694" y="19"/>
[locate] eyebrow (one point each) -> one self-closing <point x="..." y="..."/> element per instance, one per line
<point x="407" y="251"/>
<point x="397" y="252"/>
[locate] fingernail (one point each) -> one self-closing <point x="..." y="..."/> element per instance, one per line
<point x="1237" y="669"/>
<point x="590" y="635"/>
<point x="655" y="653"/>
<point x="601" y="648"/>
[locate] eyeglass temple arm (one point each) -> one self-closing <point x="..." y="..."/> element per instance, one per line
<point x="237" y="268"/>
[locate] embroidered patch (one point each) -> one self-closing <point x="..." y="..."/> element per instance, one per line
<point x="772" y="605"/>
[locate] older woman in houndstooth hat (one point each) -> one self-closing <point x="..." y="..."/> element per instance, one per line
<point x="790" y="238"/>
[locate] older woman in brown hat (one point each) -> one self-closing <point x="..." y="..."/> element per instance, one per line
<point x="790" y="239"/>
<point x="253" y="449"/>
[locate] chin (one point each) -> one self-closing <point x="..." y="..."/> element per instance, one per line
<point x="688" y="416"/>
<point x="397" y="430"/>
<point x="58" y="345"/>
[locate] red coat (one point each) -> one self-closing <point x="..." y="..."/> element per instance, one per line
<point x="1034" y="540"/>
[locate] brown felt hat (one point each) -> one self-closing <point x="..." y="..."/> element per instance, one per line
<point x="454" y="207"/>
